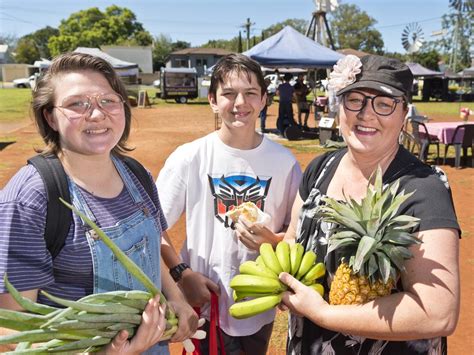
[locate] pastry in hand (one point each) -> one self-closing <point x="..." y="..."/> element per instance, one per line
<point x="247" y="209"/>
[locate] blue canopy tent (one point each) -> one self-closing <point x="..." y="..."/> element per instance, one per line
<point x="290" y="48"/>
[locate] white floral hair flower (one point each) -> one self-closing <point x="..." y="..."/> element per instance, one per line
<point x="344" y="72"/>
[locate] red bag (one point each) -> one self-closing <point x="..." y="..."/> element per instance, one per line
<point x="214" y="330"/>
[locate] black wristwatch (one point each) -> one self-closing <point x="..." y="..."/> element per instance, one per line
<point x="177" y="271"/>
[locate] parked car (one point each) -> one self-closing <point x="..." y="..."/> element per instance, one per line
<point x="29" y="82"/>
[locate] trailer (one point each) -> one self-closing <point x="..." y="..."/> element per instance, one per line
<point x="179" y="84"/>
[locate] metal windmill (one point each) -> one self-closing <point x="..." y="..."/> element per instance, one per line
<point x="460" y="6"/>
<point x="318" y="28"/>
<point x="412" y="38"/>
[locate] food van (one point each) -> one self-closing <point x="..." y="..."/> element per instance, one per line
<point x="179" y="84"/>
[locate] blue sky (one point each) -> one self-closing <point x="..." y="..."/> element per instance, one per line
<point x="197" y="21"/>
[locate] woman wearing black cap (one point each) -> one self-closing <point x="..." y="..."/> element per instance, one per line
<point x="423" y="306"/>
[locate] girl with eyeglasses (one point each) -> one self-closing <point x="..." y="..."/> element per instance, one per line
<point x="80" y="107"/>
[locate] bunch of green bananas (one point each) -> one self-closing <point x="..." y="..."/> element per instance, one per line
<point x="258" y="280"/>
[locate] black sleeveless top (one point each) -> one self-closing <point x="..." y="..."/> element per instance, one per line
<point x="432" y="203"/>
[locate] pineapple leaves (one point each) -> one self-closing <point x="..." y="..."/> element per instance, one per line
<point x="341" y="239"/>
<point x="409" y="221"/>
<point x="378" y="183"/>
<point x="394" y="206"/>
<point x="384" y="266"/>
<point x="348" y="222"/>
<point x="364" y="250"/>
<point x="394" y="254"/>
<point x="370" y="234"/>
<point x="340" y="208"/>
<point x="372" y="266"/>
<point x="400" y="238"/>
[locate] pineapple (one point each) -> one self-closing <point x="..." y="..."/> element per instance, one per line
<point x="372" y="241"/>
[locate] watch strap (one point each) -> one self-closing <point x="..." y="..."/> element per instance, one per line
<point x="177" y="271"/>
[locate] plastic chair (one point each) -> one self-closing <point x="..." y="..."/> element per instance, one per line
<point x="424" y="140"/>
<point x="466" y="143"/>
<point x="406" y="138"/>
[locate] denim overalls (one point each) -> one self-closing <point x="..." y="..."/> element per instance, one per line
<point x="136" y="235"/>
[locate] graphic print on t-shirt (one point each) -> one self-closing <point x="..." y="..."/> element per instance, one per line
<point x="232" y="190"/>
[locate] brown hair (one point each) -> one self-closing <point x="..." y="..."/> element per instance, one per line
<point x="239" y="63"/>
<point x="44" y="96"/>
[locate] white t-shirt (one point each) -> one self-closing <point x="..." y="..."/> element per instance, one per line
<point x="204" y="179"/>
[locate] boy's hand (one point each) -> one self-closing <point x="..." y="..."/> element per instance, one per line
<point x="252" y="235"/>
<point x="197" y="288"/>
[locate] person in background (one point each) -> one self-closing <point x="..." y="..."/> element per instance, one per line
<point x="209" y="177"/>
<point x="301" y="92"/>
<point x="83" y="116"/>
<point x="263" y="113"/>
<point x="285" y="109"/>
<point x="422" y="308"/>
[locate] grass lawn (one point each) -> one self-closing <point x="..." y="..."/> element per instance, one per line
<point x="445" y="108"/>
<point x="14" y="104"/>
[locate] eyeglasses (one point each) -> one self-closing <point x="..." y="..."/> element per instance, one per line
<point x="382" y="105"/>
<point x="77" y="106"/>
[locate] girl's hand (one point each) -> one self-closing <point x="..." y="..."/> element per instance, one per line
<point x="149" y="332"/>
<point x="187" y="321"/>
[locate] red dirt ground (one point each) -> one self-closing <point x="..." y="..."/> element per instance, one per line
<point x="159" y="130"/>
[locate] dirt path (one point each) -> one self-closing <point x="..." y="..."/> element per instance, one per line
<point x="158" y="131"/>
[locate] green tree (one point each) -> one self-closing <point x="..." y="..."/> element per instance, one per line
<point x="429" y="58"/>
<point x="34" y="46"/>
<point x="94" y="28"/>
<point x="353" y="28"/>
<point x="454" y="46"/>
<point x="162" y="47"/>
<point x="8" y="38"/>
<point x="26" y="51"/>
<point x="235" y="46"/>
<point x="231" y="45"/>
<point x="298" y="24"/>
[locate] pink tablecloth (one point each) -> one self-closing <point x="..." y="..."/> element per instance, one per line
<point x="445" y="130"/>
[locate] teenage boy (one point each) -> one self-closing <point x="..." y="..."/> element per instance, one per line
<point x="210" y="176"/>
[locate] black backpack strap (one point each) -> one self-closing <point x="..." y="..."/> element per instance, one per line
<point x="142" y="175"/>
<point x="58" y="217"/>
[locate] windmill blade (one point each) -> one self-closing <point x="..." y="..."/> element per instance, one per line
<point x="462" y="5"/>
<point x="412" y="37"/>
<point x="456" y="4"/>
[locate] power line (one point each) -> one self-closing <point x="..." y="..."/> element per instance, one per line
<point x="407" y="23"/>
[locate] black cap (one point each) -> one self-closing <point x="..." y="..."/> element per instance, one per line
<point x="387" y="75"/>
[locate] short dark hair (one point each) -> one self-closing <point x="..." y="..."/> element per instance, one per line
<point x="44" y="96"/>
<point x="287" y="77"/>
<point x="239" y="63"/>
